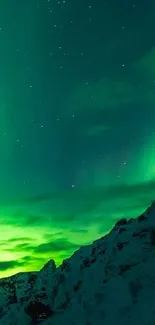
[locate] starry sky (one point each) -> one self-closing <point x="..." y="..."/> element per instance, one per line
<point x="77" y="124"/>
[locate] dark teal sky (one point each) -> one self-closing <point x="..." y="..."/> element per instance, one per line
<point x="77" y="111"/>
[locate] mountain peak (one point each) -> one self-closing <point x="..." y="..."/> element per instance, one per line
<point x="50" y="266"/>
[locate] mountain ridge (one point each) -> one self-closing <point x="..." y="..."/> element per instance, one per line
<point x="109" y="281"/>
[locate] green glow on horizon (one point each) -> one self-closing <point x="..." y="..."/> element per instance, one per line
<point x="57" y="236"/>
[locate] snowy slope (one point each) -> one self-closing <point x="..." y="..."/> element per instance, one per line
<point x="109" y="282"/>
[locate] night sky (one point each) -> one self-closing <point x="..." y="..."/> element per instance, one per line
<point x="77" y="123"/>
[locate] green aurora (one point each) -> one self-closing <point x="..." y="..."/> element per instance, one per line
<point x="77" y="131"/>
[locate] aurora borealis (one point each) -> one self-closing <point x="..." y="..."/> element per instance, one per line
<point x="77" y="124"/>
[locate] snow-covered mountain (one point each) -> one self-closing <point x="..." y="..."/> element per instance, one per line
<point x="109" y="282"/>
